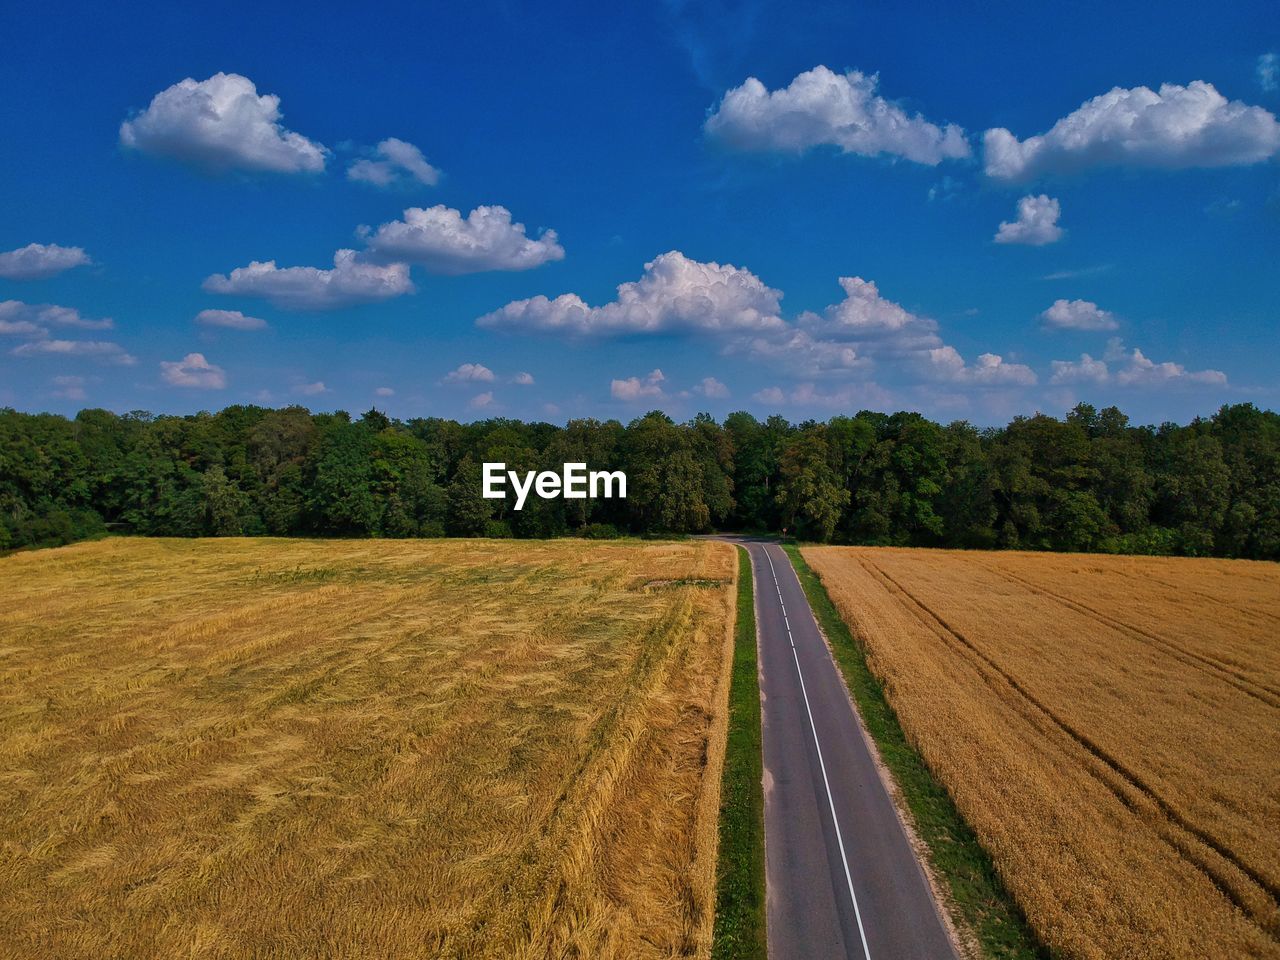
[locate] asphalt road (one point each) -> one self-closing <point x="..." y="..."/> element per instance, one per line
<point x="841" y="877"/>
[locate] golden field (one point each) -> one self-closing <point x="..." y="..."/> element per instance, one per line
<point x="1109" y="726"/>
<point x="361" y="749"/>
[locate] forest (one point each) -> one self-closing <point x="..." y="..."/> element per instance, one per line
<point x="1091" y="481"/>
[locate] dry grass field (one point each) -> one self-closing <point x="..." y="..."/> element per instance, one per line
<point x="1110" y="727"/>
<point x="361" y="749"/>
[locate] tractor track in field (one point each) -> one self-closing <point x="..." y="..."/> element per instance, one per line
<point x="1209" y="665"/>
<point x="1195" y="845"/>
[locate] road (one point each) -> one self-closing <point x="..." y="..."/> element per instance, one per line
<point x="841" y="877"/>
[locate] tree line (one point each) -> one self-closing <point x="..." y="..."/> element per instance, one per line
<point x="1091" y="481"/>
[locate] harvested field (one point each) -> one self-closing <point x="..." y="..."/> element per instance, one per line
<point x="361" y="749"/>
<point x="1109" y="726"/>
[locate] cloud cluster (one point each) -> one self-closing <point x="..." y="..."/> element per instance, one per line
<point x="394" y="163"/>
<point x="351" y="281"/>
<point x="1037" y="222"/>
<point x="469" y="373"/>
<point x="221" y="124"/>
<point x="821" y="107"/>
<point x="1134" y="369"/>
<point x="37" y="261"/>
<point x="635" y="389"/>
<point x="103" y="351"/>
<point x="675" y="293"/>
<point x="1078" y="315"/>
<point x="34" y="321"/>
<point x="441" y="241"/>
<point x="193" y="370"/>
<point x="230" y="319"/>
<point x="1175" y="128"/>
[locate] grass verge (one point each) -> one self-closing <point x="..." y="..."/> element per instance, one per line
<point x="740" y="917"/>
<point x="977" y="895"/>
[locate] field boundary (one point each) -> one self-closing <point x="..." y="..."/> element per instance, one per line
<point x="976" y="898"/>
<point x="740" y="876"/>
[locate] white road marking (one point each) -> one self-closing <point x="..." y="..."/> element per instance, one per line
<point x="817" y="746"/>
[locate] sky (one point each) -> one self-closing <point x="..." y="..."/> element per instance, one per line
<point x="563" y="210"/>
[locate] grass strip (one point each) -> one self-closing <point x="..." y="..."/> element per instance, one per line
<point x="740" y="896"/>
<point x="983" y="904"/>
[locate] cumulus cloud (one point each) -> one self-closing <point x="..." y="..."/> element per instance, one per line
<point x="1132" y="369"/>
<point x="675" y="293"/>
<point x="193" y="370"/>
<point x="1175" y="128"/>
<point x="1084" y="370"/>
<point x="34" y="319"/>
<point x="441" y="241"/>
<point x="395" y="163"/>
<point x="103" y="351"/>
<point x="1269" y="71"/>
<point x="712" y="389"/>
<point x="384" y="392"/>
<point x="221" y="124"/>
<point x="231" y="319"/>
<point x="351" y="281"/>
<point x="945" y="363"/>
<point x="37" y="261"/>
<point x="523" y="379"/>
<point x="822" y="107"/>
<point x="1037" y="222"/>
<point x="469" y="373"/>
<point x="1078" y="315"/>
<point x="481" y="400"/>
<point x="634" y="389"/>
<point x="310" y="389"/>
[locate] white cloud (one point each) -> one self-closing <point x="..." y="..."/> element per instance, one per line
<point x="1269" y="71"/>
<point x="1078" y="315"/>
<point x="351" y="281"/>
<point x="481" y="400"/>
<point x="633" y="389"/>
<point x="396" y="162"/>
<point x="1037" y="222"/>
<point x="675" y="293"/>
<point x="34" y="319"/>
<point x="1084" y="370"/>
<point x="991" y="370"/>
<point x="69" y="388"/>
<point x="523" y="379"/>
<point x="1176" y="128"/>
<point x="101" y="350"/>
<point x="469" y="373"/>
<point x="221" y="124"/>
<point x="712" y="389"/>
<point x="821" y="107"/>
<point x="231" y="319"/>
<point x="441" y="241"/>
<point x="310" y="389"/>
<point x="1134" y="370"/>
<point x="36" y="261"/>
<point x="772" y="395"/>
<point x="193" y="370"/>
<point x="384" y="392"/>
<point x="1143" y="372"/>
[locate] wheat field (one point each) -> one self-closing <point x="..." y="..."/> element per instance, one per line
<point x="361" y="749"/>
<point x="1109" y="726"/>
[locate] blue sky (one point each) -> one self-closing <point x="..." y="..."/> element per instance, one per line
<point x="495" y="153"/>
